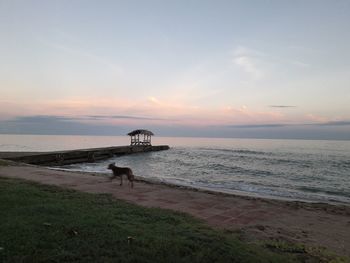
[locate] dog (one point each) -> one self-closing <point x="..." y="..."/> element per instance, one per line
<point x="120" y="171"/>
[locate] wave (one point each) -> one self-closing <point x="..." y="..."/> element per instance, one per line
<point x="237" y="170"/>
<point x="297" y="175"/>
<point x="345" y="164"/>
<point x="311" y="189"/>
<point x="239" y="151"/>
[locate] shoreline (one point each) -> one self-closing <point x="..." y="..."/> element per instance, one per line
<point x="253" y="218"/>
<point x="311" y="186"/>
<point x="236" y="193"/>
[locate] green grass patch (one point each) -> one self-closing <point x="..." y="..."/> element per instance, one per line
<point x="304" y="253"/>
<point x="4" y="162"/>
<point x="48" y="224"/>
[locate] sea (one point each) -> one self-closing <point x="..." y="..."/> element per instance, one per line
<point x="305" y="170"/>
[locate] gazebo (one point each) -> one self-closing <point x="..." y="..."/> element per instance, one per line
<point x="136" y="140"/>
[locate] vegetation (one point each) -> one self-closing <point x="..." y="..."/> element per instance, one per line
<point x="306" y="254"/>
<point x="4" y="162"/>
<point x="44" y="223"/>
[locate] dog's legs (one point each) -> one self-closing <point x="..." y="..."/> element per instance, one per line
<point x="131" y="180"/>
<point x="121" y="180"/>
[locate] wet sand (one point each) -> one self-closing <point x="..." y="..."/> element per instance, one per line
<point x="324" y="225"/>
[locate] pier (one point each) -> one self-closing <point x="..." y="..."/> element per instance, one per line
<point x="58" y="158"/>
<point x="140" y="141"/>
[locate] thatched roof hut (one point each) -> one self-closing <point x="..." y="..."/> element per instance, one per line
<point x="136" y="140"/>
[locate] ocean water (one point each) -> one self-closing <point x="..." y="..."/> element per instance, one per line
<point x="306" y="170"/>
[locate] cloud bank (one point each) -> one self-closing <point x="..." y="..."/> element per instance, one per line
<point x="58" y="125"/>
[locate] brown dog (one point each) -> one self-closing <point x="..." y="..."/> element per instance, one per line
<point x="120" y="171"/>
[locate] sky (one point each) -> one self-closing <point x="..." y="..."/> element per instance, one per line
<point x="256" y="69"/>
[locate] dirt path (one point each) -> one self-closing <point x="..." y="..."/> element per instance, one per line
<point x="312" y="224"/>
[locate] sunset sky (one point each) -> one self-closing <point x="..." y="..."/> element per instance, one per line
<point x="264" y="69"/>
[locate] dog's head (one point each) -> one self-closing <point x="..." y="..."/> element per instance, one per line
<point x="110" y="166"/>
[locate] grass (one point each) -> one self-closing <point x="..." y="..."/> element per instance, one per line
<point x="306" y="253"/>
<point x="4" y="162"/>
<point x="48" y="224"/>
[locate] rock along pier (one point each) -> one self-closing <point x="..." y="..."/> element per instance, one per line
<point x="58" y="158"/>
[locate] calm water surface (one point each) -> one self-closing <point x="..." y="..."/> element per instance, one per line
<point x="292" y="169"/>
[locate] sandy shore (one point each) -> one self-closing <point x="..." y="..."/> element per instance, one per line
<point x="317" y="225"/>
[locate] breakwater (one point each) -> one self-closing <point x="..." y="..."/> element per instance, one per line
<point x="57" y="158"/>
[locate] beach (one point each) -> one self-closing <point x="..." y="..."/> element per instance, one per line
<point x="303" y="170"/>
<point x="319" y="225"/>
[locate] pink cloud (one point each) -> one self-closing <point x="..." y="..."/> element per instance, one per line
<point x="315" y="118"/>
<point x="150" y="111"/>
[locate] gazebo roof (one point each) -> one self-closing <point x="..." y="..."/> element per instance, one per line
<point x="136" y="132"/>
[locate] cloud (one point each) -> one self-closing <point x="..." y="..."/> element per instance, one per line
<point x="248" y="60"/>
<point x="50" y="118"/>
<point x="58" y="125"/>
<point x="245" y="116"/>
<point x="41" y="118"/>
<point x="248" y="65"/>
<point x="249" y="126"/>
<point x="260" y="64"/>
<point x="282" y="106"/>
<point x="279" y="125"/>
<point x="334" y="123"/>
<point x="316" y="119"/>
<point x="153" y="100"/>
<point x="165" y="111"/>
<point x="97" y="117"/>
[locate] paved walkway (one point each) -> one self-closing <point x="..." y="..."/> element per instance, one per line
<point x="256" y="218"/>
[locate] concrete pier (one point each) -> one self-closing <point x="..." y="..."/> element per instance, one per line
<point x="77" y="156"/>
